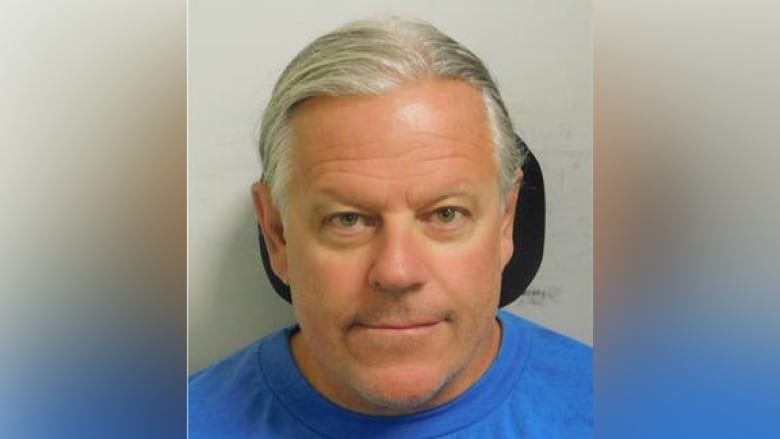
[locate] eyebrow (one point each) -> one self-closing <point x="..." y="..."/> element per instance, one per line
<point x="330" y="195"/>
<point x="456" y="189"/>
<point x="323" y="198"/>
<point x="430" y="201"/>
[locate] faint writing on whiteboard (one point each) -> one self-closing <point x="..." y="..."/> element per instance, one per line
<point x="540" y="295"/>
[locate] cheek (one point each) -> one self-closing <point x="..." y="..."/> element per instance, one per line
<point x="471" y="273"/>
<point x="325" y="286"/>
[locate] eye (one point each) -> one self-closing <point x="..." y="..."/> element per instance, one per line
<point x="347" y="220"/>
<point x="347" y="229"/>
<point x="448" y="218"/>
<point x="447" y="215"/>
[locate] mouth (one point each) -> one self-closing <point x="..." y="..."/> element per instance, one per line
<point x="399" y="328"/>
<point x="400" y="325"/>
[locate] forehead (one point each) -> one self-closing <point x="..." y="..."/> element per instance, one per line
<point x="433" y="129"/>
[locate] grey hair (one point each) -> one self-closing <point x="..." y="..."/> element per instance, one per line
<point x="371" y="58"/>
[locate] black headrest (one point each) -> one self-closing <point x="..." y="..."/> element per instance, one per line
<point x="528" y="236"/>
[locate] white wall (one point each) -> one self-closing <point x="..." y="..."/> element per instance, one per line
<point x="541" y="54"/>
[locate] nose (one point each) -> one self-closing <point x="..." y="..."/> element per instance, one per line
<point x="397" y="267"/>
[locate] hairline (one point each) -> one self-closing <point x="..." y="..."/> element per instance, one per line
<point x="433" y="56"/>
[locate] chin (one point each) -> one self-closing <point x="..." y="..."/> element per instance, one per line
<point x="403" y="391"/>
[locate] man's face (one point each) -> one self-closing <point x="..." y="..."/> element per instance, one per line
<point x="393" y="245"/>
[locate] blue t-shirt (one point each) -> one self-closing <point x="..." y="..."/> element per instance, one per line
<point x="539" y="386"/>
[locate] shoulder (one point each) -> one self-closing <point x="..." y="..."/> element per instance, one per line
<point x="557" y="378"/>
<point x="551" y="351"/>
<point x="223" y="376"/>
<point x="222" y="395"/>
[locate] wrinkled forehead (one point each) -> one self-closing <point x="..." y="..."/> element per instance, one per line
<point x="414" y="124"/>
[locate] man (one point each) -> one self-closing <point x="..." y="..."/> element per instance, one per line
<point x="387" y="202"/>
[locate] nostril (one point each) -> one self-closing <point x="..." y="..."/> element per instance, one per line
<point x="396" y="289"/>
<point x="392" y="276"/>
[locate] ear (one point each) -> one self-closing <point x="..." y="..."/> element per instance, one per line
<point x="508" y="221"/>
<point x="270" y="221"/>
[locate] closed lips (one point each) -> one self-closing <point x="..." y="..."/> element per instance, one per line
<point x="399" y="326"/>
